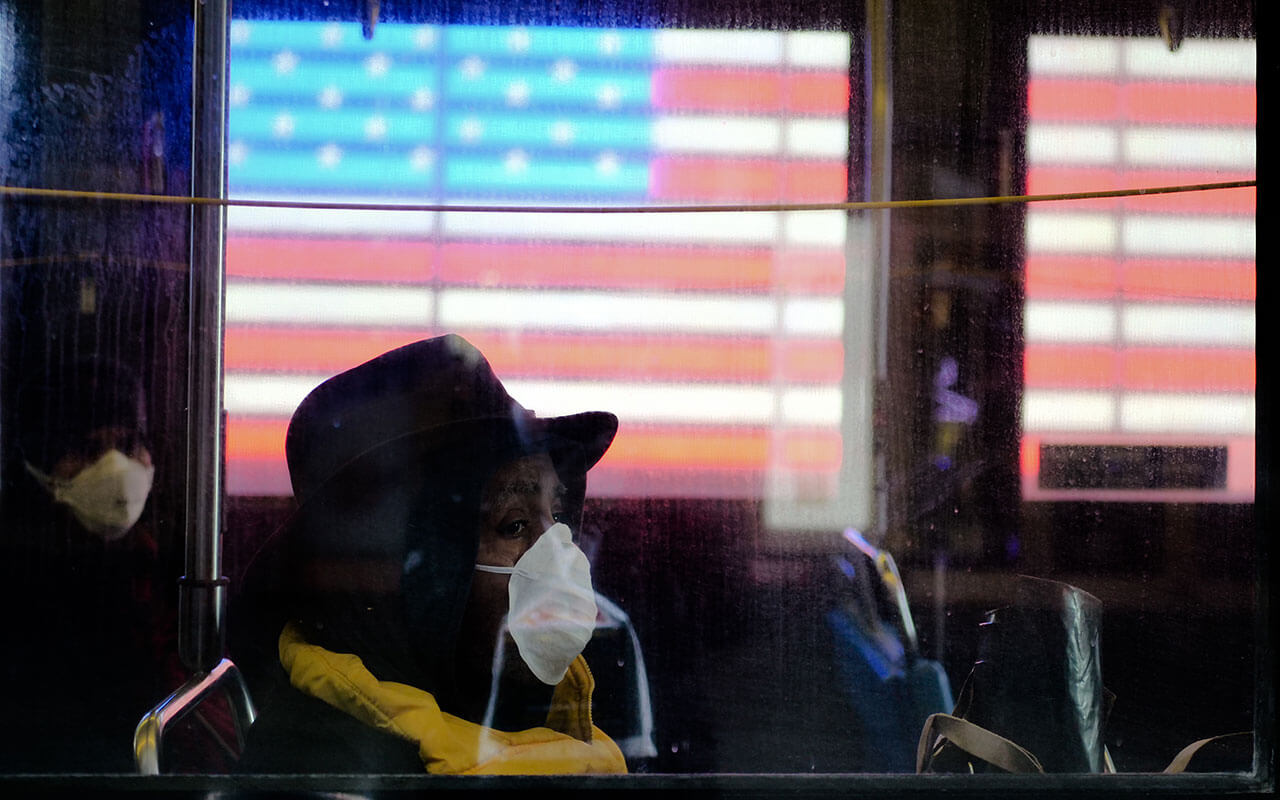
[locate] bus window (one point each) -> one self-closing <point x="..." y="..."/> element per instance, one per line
<point x="929" y="334"/>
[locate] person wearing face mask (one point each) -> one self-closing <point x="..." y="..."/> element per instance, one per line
<point x="432" y="602"/>
<point x="82" y="603"/>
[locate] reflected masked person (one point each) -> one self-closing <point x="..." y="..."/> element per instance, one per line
<point x="435" y="601"/>
<point x="82" y="608"/>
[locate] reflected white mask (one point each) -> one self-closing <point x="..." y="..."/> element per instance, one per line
<point x="107" y="496"/>
<point x="552" y="604"/>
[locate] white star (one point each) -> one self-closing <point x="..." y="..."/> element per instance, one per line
<point x="516" y="161"/>
<point x="329" y="97"/>
<point x="471" y="130"/>
<point x="331" y="35"/>
<point x="284" y="62"/>
<point x="239" y="94"/>
<point x="423" y="99"/>
<point x="377" y="65"/>
<point x="375" y="128"/>
<point x="282" y="126"/>
<point x="329" y="156"/>
<point x="424" y="38"/>
<point x="421" y="159"/>
<point x="517" y="94"/>
<point x="240" y="31"/>
<point x="564" y="70"/>
<point x="472" y="67"/>
<point x="518" y="40"/>
<point x="607" y="163"/>
<point x="610" y="43"/>
<point x="562" y="132"/>
<point x="237" y="152"/>
<point x="609" y="96"/>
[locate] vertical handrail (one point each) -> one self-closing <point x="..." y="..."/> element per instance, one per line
<point x="878" y="176"/>
<point x="202" y="589"/>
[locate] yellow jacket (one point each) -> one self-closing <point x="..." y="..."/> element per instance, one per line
<point x="450" y="745"/>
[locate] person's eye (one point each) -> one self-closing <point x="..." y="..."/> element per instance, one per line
<point x="513" y="529"/>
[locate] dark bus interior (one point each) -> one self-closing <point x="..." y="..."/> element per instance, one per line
<point x="744" y="671"/>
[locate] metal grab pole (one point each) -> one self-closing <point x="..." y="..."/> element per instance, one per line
<point x="202" y="589"/>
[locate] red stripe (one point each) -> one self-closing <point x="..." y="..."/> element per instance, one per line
<point x="278" y="349"/>
<point x="550" y="266"/>
<point x="1030" y="456"/>
<point x="1063" y="180"/>
<point x="1190" y="279"/>
<point x="1193" y="103"/>
<point x="270" y="478"/>
<point x="1170" y="369"/>
<point x="808" y="271"/>
<point x="742" y="180"/>
<point x="756" y="91"/>
<point x="1072" y="99"/>
<point x="1146" y="102"/>
<point x="1074" y="277"/>
<point x="1089" y="277"/>
<point x="330" y="259"/>
<point x="682" y="448"/>
<point x="1058" y="366"/>
<point x="588" y="266"/>
<point x="1140" y="369"/>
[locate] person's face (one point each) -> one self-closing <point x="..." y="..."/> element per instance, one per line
<point x="520" y="501"/>
<point x="96" y="444"/>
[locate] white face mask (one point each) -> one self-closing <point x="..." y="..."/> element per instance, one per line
<point x="552" y="604"/>
<point x="107" y="496"/>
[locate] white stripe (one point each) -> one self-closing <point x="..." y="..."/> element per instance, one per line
<point x="815" y="228"/>
<point x="302" y="304"/>
<point x="813" y="316"/>
<point x="1049" y="143"/>
<point x="720" y="404"/>
<point x="1072" y="55"/>
<point x="718" y="134"/>
<point x="649" y="402"/>
<point x="1047" y="410"/>
<point x="710" y="227"/>
<point x="1205" y="325"/>
<point x="817" y="138"/>
<point x="812" y="405"/>
<point x="717" y="47"/>
<point x="1168" y="235"/>
<point x="818" y="49"/>
<point x="248" y="219"/>
<point x="1049" y="321"/>
<point x="1209" y="148"/>
<point x="1056" y="231"/>
<point x="1196" y="59"/>
<point x="593" y="311"/>
<point x="1188" y="413"/>
<point x="596" y="311"/>
<point x="267" y="395"/>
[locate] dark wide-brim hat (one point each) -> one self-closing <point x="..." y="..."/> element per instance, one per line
<point x="436" y="398"/>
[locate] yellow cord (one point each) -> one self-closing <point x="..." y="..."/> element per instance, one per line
<point x="124" y="197"/>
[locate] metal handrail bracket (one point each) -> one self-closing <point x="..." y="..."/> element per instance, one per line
<point x="148" y="737"/>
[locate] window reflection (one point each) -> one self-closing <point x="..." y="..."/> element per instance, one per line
<point x="1139" y="313"/>
<point x="1061" y="389"/>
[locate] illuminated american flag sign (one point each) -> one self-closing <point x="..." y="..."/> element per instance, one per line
<point x="717" y="337"/>
<point x="1139" y="320"/>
